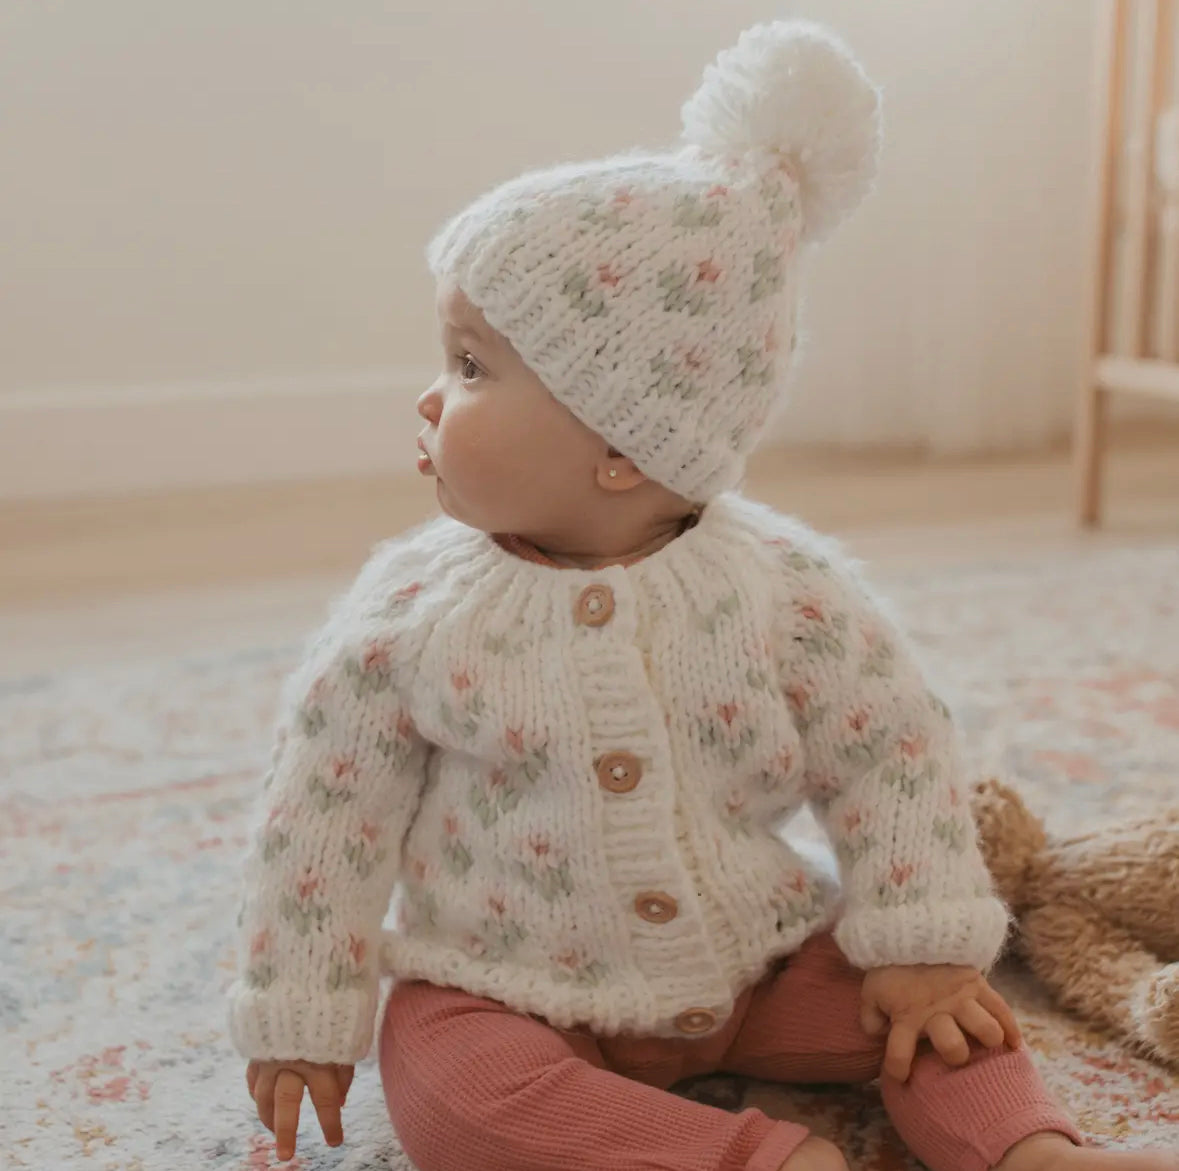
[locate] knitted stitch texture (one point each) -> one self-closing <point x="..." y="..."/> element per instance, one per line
<point x="654" y="294"/>
<point x="580" y="792"/>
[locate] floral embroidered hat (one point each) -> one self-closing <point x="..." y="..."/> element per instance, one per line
<point x="654" y="294"/>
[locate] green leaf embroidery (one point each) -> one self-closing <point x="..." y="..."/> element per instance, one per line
<point x="952" y="832"/>
<point x="588" y="301"/>
<point x="458" y="857"/>
<point x="312" y="721"/>
<point x="779" y="202"/>
<point x="301" y="917"/>
<point x="691" y="211"/>
<point x="681" y="292"/>
<point x="551" y="881"/>
<point x="273" y="844"/>
<point x="261" y="976"/>
<point x="324" y="798"/>
<point x="756" y="369"/>
<point x="671" y="380"/>
<point x="768" y="275"/>
<point x="342" y="975"/>
<point x="362" y="859"/>
<point x="852" y="848"/>
<point x="725" y="608"/>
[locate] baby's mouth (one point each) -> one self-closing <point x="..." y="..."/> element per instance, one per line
<point x="425" y="463"/>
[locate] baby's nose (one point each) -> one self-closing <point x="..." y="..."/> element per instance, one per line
<point x="430" y="405"/>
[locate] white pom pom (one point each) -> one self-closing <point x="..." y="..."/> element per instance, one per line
<point x="793" y="88"/>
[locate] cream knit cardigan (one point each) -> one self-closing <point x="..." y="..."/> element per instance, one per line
<point x="576" y="777"/>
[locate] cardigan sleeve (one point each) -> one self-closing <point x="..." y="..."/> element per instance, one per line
<point x="346" y="776"/>
<point x="883" y="773"/>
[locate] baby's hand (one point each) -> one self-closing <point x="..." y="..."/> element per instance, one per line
<point x="277" y="1090"/>
<point x="939" y="1001"/>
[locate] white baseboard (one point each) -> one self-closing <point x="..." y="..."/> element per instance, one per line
<point x="112" y="441"/>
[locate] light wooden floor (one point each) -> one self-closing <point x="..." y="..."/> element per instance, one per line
<point x="83" y="582"/>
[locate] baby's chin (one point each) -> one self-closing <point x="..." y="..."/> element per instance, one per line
<point x="455" y="509"/>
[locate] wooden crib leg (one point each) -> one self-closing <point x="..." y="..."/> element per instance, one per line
<point x="1090" y="449"/>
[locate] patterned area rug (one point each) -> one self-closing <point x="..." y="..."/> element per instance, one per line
<point x="124" y="792"/>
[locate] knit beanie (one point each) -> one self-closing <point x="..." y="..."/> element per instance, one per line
<point x="654" y="293"/>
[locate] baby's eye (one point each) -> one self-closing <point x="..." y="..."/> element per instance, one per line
<point x="469" y="369"/>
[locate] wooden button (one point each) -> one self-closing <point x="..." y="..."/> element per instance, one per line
<point x="619" y="772"/>
<point x="656" y="907"/>
<point x="595" y="606"/>
<point x="695" y="1021"/>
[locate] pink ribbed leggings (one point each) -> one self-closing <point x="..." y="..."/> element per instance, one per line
<point x="473" y="1086"/>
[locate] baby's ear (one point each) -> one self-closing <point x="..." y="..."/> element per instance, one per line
<point x="616" y="473"/>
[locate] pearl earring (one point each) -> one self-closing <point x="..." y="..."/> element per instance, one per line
<point x="613" y="473"/>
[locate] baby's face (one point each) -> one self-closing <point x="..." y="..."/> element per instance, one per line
<point x="508" y="457"/>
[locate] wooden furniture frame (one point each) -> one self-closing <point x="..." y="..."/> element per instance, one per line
<point x="1134" y="325"/>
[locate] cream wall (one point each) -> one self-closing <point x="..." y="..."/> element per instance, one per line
<point x="210" y="210"/>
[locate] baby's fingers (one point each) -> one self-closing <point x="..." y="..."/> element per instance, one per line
<point x="263" y="1092"/>
<point x="998" y="1008"/>
<point x="327" y="1099"/>
<point x="901" y="1049"/>
<point x="948" y="1039"/>
<point x="288" y="1096"/>
<point x="979" y="1023"/>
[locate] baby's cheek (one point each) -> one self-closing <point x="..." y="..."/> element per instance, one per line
<point x="475" y="459"/>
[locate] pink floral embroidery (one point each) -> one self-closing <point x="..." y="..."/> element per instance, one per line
<point x="727" y="712"/>
<point x="376" y="658"/>
<point x="707" y="271"/>
<point x="405" y="727"/>
<point x="719" y="190"/>
<point x="902" y="872"/>
<point x="913" y="747"/>
<point x="344" y="768"/>
<point x="542" y="850"/>
<point x="515" y="739"/>
<point x="608" y="276"/>
<point x="357" y="949"/>
<point x="811" y="611"/>
<point x="461" y="681"/>
<point x="857" y="720"/>
<point x="409" y="591"/>
<point x="798" y="697"/>
<point x="622" y="197"/>
<point x="260" y="944"/>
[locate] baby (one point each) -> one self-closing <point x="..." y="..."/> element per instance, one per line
<point x="567" y="720"/>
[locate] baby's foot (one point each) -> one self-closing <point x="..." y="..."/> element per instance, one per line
<point x="1054" y="1152"/>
